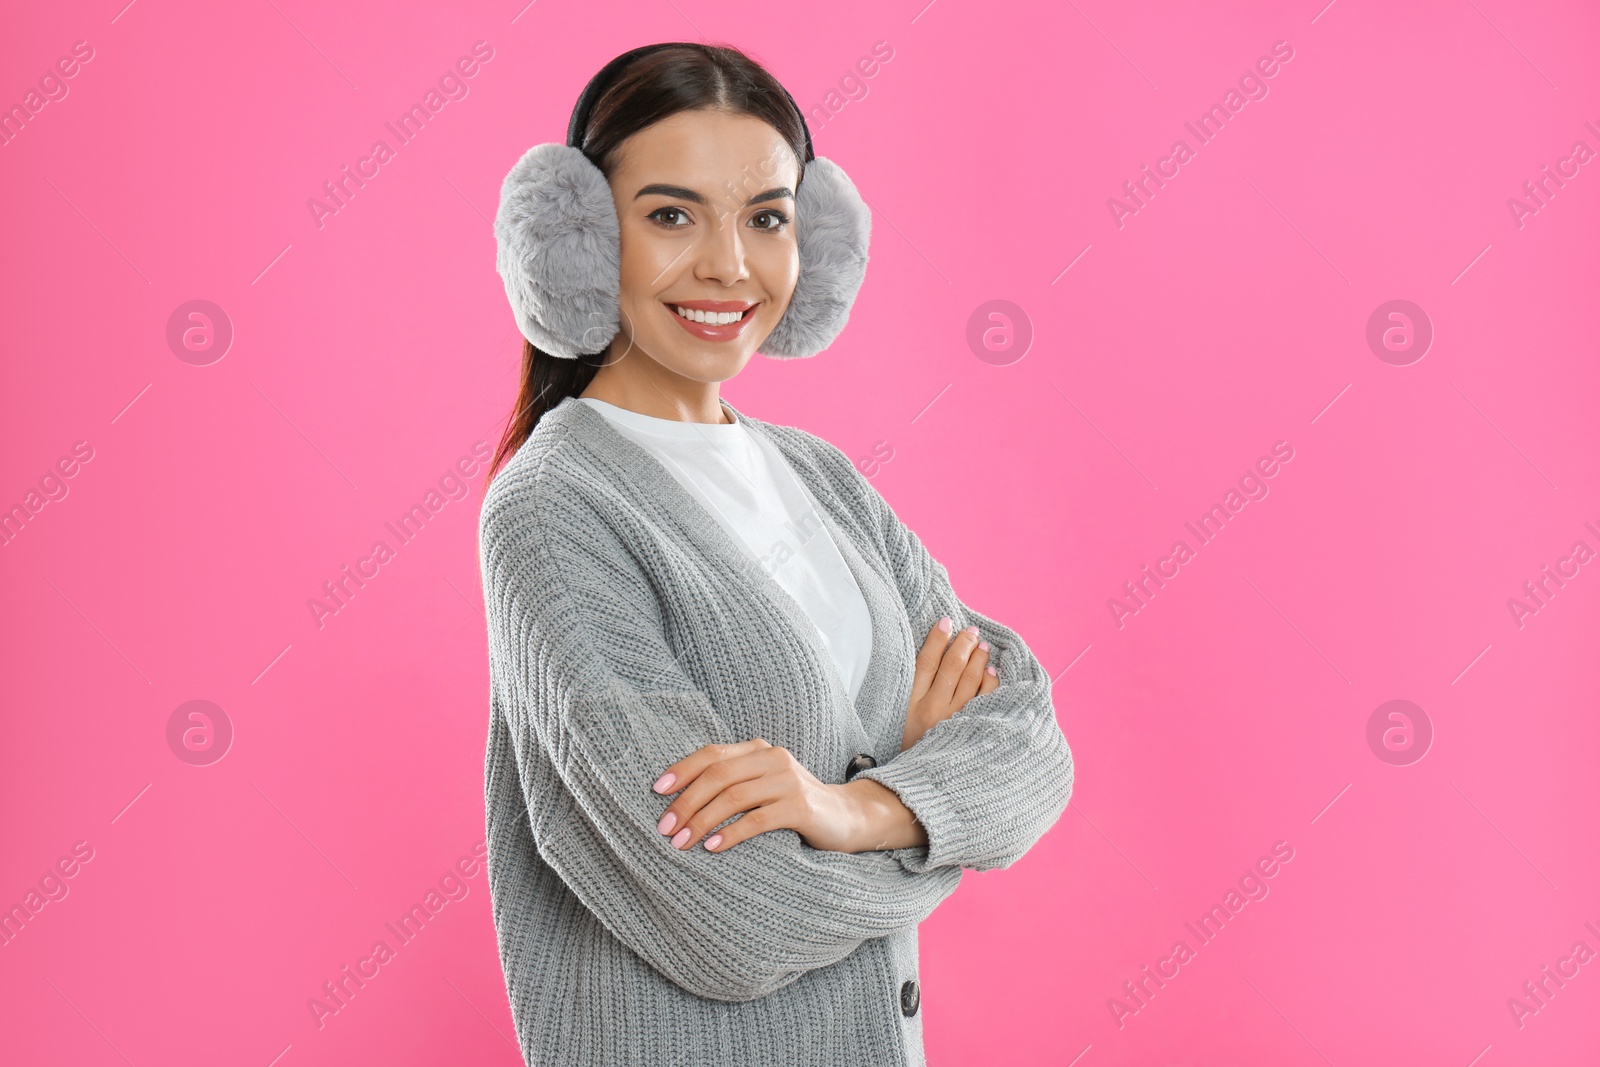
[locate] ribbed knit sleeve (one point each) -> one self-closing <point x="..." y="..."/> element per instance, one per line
<point x="597" y="707"/>
<point x="989" y="781"/>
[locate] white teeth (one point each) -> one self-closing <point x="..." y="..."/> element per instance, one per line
<point x="710" y="318"/>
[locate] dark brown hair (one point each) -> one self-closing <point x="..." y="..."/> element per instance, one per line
<point x="683" y="76"/>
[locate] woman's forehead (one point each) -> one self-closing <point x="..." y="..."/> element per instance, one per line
<point x="705" y="150"/>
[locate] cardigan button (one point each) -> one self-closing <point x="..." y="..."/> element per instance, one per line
<point x="910" y="998"/>
<point x="858" y="764"/>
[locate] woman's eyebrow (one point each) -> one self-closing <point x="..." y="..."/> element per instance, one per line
<point x="679" y="192"/>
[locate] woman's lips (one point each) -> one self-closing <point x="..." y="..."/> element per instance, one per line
<point x="707" y="332"/>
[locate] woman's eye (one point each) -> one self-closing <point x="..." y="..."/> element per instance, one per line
<point x="776" y="220"/>
<point x="661" y="211"/>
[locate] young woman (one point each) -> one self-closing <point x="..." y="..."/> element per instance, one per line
<point x="727" y="774"/>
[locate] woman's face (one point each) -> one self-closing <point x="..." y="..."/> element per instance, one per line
<point x="705" y="200"/>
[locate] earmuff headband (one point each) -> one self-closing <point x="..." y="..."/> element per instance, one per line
<point x="558" y="246"/>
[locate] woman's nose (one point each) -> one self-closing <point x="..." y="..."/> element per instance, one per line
<point x="721" y="255"/>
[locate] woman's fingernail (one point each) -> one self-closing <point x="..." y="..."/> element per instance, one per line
<point x="667" y="822"/>
<point x="664" y="783"/>
<point x="984" y="645"/>
<point x="972" y="629"/>
<point x="992" y="671"/>
<point x="945" y="624"/>
<point x="713" y="841"/>
<point x="680" y="838"/>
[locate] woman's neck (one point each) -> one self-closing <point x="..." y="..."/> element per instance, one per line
<point x="702" y="403"/>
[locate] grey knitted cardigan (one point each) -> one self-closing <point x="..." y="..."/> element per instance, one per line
<point x="628" y="629"/>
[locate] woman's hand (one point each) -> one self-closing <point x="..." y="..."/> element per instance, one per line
<point x="947" y="677"/>
<point x="771" y="788"/>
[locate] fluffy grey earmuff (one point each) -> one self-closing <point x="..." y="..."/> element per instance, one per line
<point x="560" y="256"/>
<point x="834" y="229"/>
<point x="560" y="252"/>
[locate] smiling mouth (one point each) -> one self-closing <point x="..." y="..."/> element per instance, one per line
<point x="712" y="318"/>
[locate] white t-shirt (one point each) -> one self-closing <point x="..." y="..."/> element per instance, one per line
<point x="744" y="482"/>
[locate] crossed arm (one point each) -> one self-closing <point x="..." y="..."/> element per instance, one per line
<point x="593" y="729"/>
<point x="987" y="782"/>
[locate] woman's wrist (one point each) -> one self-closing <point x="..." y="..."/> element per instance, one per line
<point x="882" y="819"/>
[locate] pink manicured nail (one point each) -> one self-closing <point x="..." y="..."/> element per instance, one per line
<point x="680" y="838"/>
<point x="984" y="645"/>
<point x="972" y="629"/>
<point x="713" y="841"/>
<point x="992" y="671"/>
<point x="667" y="822"/>
<point x="945" y="624"/>
<point x="664" y="783"/>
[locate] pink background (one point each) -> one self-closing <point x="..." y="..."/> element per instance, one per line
<point x="1229" y="313"/>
